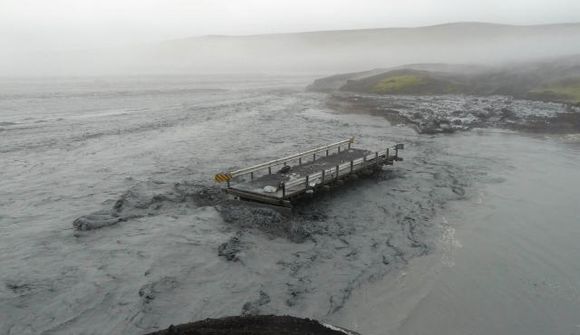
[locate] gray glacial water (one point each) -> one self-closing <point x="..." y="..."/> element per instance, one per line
<point x="473" y="233"/>
<point x="508" y="264"/>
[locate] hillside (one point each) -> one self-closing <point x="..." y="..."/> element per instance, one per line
<point x="315" y="52"/>
<point x="552" y="80"/>
<point x="353" y="50"/>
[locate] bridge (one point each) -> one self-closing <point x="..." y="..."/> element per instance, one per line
<point x="284" y="180"/>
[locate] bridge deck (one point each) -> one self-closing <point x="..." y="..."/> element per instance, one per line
<point x="279" y="186"/>
<point x="282" y="180"/>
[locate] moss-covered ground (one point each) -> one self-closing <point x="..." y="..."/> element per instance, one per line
<point x="565" y="91"/>
<point x="399" y="83"/>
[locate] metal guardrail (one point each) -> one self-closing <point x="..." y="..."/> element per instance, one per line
<point x="329" y="174"/>
<point x="351" y="166"/>
<point x="283" y="191"/>
<point x="227" y="176"/>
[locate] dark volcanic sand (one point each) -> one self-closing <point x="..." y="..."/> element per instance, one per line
<point x="248" y="325"/>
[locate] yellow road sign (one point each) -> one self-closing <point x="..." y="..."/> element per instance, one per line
<point x="222" y="177"/>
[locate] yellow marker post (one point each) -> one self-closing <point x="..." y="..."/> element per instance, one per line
<point x="222" y="177"/>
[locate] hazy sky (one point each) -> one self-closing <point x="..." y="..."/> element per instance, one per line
<point x="63" y="24"/>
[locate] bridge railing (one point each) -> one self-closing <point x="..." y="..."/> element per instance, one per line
<point x="227" y="176"/>
<point x="328" y="175"/>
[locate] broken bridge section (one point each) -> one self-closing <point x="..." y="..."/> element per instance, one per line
<point x="281" y="181"/>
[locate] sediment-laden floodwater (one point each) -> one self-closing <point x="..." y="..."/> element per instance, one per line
<point x="473" y="233"/>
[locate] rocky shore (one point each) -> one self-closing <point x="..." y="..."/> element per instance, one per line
<point x="432" y="114"/>
<point x="541" y="96"/>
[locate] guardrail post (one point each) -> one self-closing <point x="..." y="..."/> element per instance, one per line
<point x="377" y="158"/>
<point x="326" y="153"/>
<point x="307" y="185"/>
<point x="276" y="162"/>
<point x="336" y="173"/>
<point x="251" y="175"/>
<point x="283" y="190"/>
<point x="322" y="181"/>
<point x="387" y="154"/>
<point x="299" y="160"/>
<point x="396" y="152"/>
<point x="351" y="166"/>
<point x="339" y="149"/>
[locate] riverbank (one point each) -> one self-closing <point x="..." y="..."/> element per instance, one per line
<point x="432" y="114"/>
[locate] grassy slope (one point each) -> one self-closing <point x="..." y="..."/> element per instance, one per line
<point x="406" y="81"/>
<point x="398" y="84"/>
<point x="555" y="80"/>
<point x="415" y="84"/>
<point x="564" y="91"/>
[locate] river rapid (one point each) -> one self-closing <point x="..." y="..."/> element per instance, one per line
<point x="475" y="232"/>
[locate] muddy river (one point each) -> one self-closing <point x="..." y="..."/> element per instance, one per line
<point x="475" y="232"/>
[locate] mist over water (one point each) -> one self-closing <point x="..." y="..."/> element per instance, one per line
<point x="474" y="224"/>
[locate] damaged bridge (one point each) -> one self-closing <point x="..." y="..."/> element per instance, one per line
<point x="282" y="181"/>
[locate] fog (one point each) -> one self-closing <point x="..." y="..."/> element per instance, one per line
<point x="66" y="37"/>
<point x="316" y="53"/>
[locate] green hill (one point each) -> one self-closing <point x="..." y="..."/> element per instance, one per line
<point x="567" y="90"/>
<point x="405" y="81"/>
<point x="552" y="80"/>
